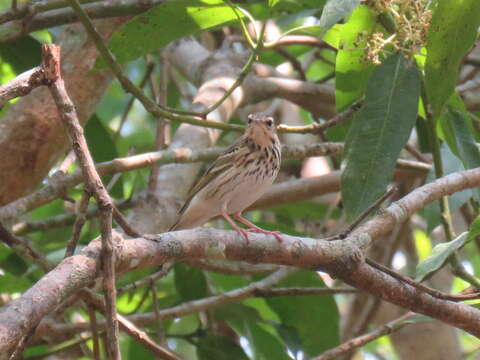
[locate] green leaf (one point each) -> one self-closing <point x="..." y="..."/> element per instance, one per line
<point x="451" y="34"/>
<point x="102" y="148"/>
<point x="13" y="284"/>
<point x="219" y="348"/>
<point x="245" y="320"/>
<point x="22" y="54"/>
<point x="351" y="71"/>
<point x="315" y="318"/>
<point x="450" y="165"/>
<point x="190" y="282"/>
<point x="474" y="230"/>
<point x="378" y="132"/>
<point x="132" y="349"/>
<point x="296" y="6"/>
<point x="439" y="255"/>
<point x="164" y="23"/>
<point x="334" y="11"/>
<point x="466" y="144"/>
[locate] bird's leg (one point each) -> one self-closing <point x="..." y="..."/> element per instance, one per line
<point x="235" y="226"/>
<point x="254" y="228"/>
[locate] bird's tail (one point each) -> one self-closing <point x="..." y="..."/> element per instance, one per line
<point x="187" y="221"/>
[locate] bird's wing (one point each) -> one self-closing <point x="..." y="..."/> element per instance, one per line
<point x="223" y="163"/>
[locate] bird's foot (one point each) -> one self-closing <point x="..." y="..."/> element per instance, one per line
<point x="244" y="233"/>
<point x="260" y="230"/>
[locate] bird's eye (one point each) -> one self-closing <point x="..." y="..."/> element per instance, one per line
<point x="269" y="122"/>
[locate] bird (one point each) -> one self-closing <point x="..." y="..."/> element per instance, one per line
<point x="236" y="179"/>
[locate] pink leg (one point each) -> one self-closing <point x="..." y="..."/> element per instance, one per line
<point x="236" y="227"/>
<point x="254" y="228"/>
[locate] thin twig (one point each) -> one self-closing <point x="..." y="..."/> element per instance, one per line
<point x="63" y="220"/>
<point x="128" y="107"/>
<point x="23" y="248"/>
<point x="54" y="190"/>
<point x="296" y="64"/>
<point x="419" y="156"/>
<point x="318" y="128"/>
<point x="367" y="212"/>
<point x="161" y="97"/>
<point x="127" y="326"/>
<point x="156" y="310"/>
<point x="179" y="155"/>
<point x="22" y="85"/>
<point x="420" y="286"/>
<point x="94" y="330"/>
<point x="79" y="222"/>
<point x="302" y="291"/>
<point x="355" y="343"/>
<point x="147" y="280"/>
<point x="67" y="162"/>
<point x="94" y="185"/>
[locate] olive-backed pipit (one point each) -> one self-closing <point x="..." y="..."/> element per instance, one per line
<point x="236" y="179"/>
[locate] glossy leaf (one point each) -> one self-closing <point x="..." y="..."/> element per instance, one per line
<point x="102" y="148"/>
<point x="351" y="71"/>
<point x="315" y="318"/>
<point x="474" y="230"/>
<point x="466" y="145"/>
<point x="13" y="284"/>
<point x="450" y="165"/>
<point x="190" y="282"/>
<point x="167" y="22"/>
<point x="378" y="132"/>
<point x="439" y="255"/>
<point x="336" y="10"/>
<point x="22" y="54"/>
<point x="451" y="34"/>
<point x="219" y="348"/>
<point x="246" y="321"/>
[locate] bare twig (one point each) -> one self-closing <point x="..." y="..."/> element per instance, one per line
<point x="367" y="212"/>
<point x="147" y="280"/>
<point x="79" y="222"/>
<point x="421" y="287"/>
<point x="63" y="220"/>
<point x="301" y="291"/>
<point x="128" y="107"/>
<point x="317" y="128"/>
<point x="94" y="185"/>
<point x="355" y="343"/>
<point x="296" y="64"/>
<point x="22" y="85"/>
<point x="126" y="325"/>
<point x="94" y="330"/>
<point x="24" y="249"/>
<point x="67" y="162"/>
<point x="161" y="97"/>
<point x="180" y="155"/>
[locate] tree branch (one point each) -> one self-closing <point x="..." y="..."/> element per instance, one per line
<point x="94" y="186"/>
<point x="342" y="259"/>
<point x="56" y="188"/>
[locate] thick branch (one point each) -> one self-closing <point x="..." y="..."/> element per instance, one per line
<point x="179" y="155"/>
<point x="342" y="259"/>
<point x="61" y="16"/>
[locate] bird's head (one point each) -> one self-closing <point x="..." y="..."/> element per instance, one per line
<point x="261" y="129"/>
